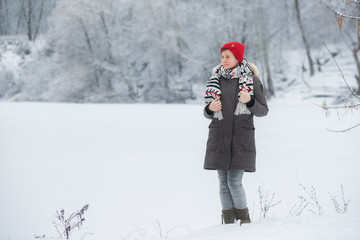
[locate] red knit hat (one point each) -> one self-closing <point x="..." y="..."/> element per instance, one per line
<point x="236" y="48"/>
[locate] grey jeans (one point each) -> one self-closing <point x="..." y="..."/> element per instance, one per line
<point x="232" y="193"/>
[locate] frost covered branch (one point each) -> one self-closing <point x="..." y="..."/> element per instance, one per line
<point x="341" y="14"/>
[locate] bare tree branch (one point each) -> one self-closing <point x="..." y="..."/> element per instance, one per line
<point x="340" y="14"/>
<point x="341" y="73"/>
<point x="355" y="1"/>
<point x="345" y="130"/>
<point x="346" y="106"/>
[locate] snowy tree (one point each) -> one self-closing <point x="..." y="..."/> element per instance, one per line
<point x="154" y="51"/>
<point x="32" y="21"/>
<point x="84" y="34"/>
<point x="24" y="16"/>
<point x="165" y="69"/>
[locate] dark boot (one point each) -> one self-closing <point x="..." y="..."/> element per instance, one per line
<point x="228" y="216"/>
<point x="242" y="215"/>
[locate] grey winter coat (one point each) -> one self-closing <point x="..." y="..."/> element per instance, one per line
<point x="231" y="141"/>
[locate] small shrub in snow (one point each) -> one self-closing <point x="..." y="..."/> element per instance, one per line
<point x="312" y="200"/>
<point x="65" y="226"/>
<point x="298" y="209"/>
<point x="265" y="203"/>
<point x="345" y="204"/>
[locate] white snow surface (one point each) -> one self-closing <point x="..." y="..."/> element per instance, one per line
<point x="139" y="167"/>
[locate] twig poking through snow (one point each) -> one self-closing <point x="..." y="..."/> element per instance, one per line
<point x="265" y="203"/>
<point x="297" y="210"/>
<point x="345" y="204"/>
<point x="158" y="228"/>
<point x="312" y="201"/>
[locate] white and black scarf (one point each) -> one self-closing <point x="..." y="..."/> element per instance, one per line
<point x="243" y="72"/>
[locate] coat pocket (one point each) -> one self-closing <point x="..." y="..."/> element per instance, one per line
<point x="245" y="139"/>
<point x="213" y="138"/>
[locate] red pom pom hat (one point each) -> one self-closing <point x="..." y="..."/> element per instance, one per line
<point x="236" y="48"/>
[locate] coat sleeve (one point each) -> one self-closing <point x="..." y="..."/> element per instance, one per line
<point x="207" y="112"/>
<point x="259" y="106"/>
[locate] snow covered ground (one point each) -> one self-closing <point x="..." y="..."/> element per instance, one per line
<point x="139" y="167"/>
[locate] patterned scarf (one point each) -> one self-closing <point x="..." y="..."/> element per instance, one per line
<point x="243" y="72"/>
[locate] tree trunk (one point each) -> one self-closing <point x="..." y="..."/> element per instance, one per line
<point x="22" y="13"/>
<point x="307" y="47"/>
<point x="7" y="19"/>
<point x="355" y="55"/>
<point x="95" y="83"/>
<point x="2" y="18"/>
<point x="110" y="59"/>
<point x="264" y="43"/>
<point x="29" y="20"/>
<point x="37" y="27"/>
<point x="257" y="33"/>
<point x="88" y="42"/>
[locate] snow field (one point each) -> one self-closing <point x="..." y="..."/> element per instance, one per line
<point x="140" y="165"/>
